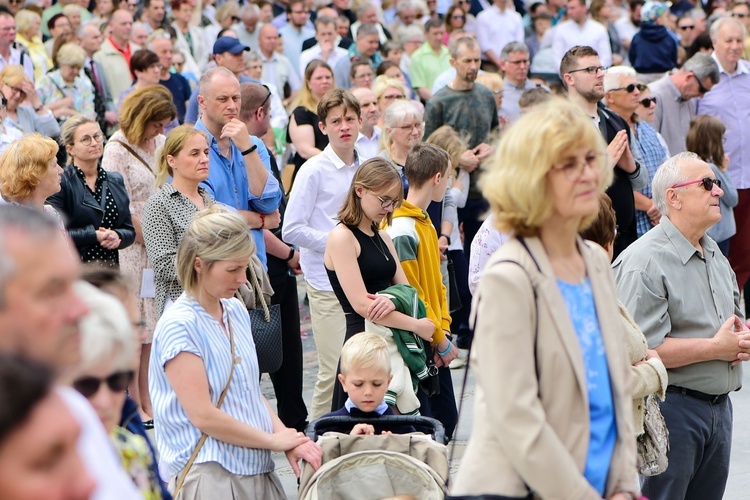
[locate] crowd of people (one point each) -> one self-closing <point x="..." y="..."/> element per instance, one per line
<point x="555" y="192"/>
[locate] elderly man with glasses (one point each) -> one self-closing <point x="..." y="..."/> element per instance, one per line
<point x="583" y="75"/>
<point x="682" y="293"/>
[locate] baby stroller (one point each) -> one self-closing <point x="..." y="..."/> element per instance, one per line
<point x="414" y="465"/>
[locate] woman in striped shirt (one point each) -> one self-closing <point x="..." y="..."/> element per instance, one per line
<point x="202" y="348"/>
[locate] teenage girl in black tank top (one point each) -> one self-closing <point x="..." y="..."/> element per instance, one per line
<point x="361" y="260"/>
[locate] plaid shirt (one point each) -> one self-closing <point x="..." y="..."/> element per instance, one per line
<point x="653" y="153"/>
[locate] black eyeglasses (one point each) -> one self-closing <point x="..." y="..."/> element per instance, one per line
<point x="739" y="14"/>
<point x="387" y="202"/>
<point x="648" y="101"/>
<point x="591" y="70"/>
<point x="117" y="382"/>
<point x="458" y="17"/>
<point x="688" y="27"/>
<point x="707" y="182"/>
<point x="631" y="88"/>
<point x="268" y="96"/>
<point x="701" y="88"/>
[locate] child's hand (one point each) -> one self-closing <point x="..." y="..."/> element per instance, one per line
<point x="424" y="328"/>
<point x="380" y="307"/>
<point x="362" y="430"/>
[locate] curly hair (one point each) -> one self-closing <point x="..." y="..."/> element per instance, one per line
<point x="23" y="165"/>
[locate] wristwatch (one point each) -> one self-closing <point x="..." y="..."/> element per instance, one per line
<point x="446" y="237"/>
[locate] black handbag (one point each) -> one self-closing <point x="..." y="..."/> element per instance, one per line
<point x="266" y="328"/>
<point x="430" y="385"/>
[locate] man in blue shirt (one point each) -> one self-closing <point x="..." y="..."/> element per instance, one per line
<point x="239" y="163"/>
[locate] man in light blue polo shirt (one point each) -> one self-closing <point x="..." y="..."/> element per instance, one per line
<point x="239" y="168"/>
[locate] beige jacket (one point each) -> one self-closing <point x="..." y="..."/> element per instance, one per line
<point x="531" y="417"/>
<point x="116" y="68"/>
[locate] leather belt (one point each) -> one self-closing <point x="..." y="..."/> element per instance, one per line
<point x="714" y="399"/>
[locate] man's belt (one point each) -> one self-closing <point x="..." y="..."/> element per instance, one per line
<point x="714" y="399"/>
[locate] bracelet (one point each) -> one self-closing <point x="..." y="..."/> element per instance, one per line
<point x="446" y="237"/>
<point x="291" y="255"/>
<point x="447" y="349"/>
<point x="249" y="150"/>
<point x="262" y="220"/>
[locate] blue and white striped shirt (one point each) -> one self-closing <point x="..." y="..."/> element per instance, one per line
<point x="187" y="327"/>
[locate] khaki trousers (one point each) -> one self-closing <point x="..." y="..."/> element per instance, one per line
<point x="211" y="481"/>
<point x="329" y="329"/>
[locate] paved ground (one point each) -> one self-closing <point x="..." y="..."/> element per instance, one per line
<point x="738" y="487"/>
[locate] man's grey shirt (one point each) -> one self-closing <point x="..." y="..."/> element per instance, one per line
<point x="673" y="291"/>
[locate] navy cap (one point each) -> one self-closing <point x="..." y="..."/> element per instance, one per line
<point x="229" y="44"/>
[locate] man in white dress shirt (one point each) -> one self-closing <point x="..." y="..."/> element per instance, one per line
<point x="277" y="68"/>
<point x="316" y="198"/>
<point x="368" y="142"/>
<point x="580" y="29"/>
<point x="497" y="27"/>
<point x="326" y="49"/>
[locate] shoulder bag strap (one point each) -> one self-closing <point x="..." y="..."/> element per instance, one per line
<point x="473" y="329"/>
<point x="258" y="291"/>
<point x="132" y="152"/>
<point x="223" y="395"/>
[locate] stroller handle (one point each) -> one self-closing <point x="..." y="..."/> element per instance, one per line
<point x="421" y="424"/>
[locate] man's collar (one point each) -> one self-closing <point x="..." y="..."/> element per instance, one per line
<point x="741" y="68"/>
<point x="685" y="250"/>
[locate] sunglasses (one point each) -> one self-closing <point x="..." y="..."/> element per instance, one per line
<point x="458" y="17"/>
<point x="268" y="96"/>
<point x="631" y="88"/>
<point x="707" y="182"/>
<point x="701" y="88"/>
<point x="117" y="382"/>
<point x="648" y="101"/>
<point x="591" y="70"/>
<point x="739" y="14"/>
<point x="688" y="27"/>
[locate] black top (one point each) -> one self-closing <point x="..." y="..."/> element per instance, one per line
<point x="84" y="212"/>
<point x="180" y="89"/>
<point x="304" y="116"/>
<point x="377" y="273"/>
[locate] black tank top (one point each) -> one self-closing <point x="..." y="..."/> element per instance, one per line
<point x="377" y="267"/>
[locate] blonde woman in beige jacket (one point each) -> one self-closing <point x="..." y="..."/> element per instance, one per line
<point x="552" y="414"/>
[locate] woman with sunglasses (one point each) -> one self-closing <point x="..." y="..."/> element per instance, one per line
<point x="361" y="261"/>
<point x="204" y="377"/>
<point x="455" y="19"/>
<point x="94" y="202"/>
<point x="549" y="360"/>
<point x="624" y="95"/>
<point x="108" y="359"/>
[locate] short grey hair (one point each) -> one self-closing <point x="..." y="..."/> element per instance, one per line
<point x="396" y="114"/>
<point x="614" y="76"/>
<point x="513" y="47"/>
<point x="463" y="41"/>
<point x="667" y="175"/>
<point x="367" y="29"/>
<point x="716" y="26"/>
<point x="106" y="331"/>
<point x="363" y="7"/>
<point x="249" y="10"/>
<point x="251" y="56"/>
<point x="702" y="66"/>
<point x="406" y="5"/>
<point x="406" y="33"/>
<point x="205" y="82"/>
<point x="17" y="218"/>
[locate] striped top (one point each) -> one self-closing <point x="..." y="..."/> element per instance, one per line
<point x="187" y="327"/>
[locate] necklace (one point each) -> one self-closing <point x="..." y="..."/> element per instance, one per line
<point x="374" y="238"/>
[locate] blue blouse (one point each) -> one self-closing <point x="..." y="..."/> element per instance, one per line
<point x="582" y="310"/>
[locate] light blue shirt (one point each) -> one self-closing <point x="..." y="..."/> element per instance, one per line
<point x="580" y="301"/>
<point x="227" y="183"/>
<point x="187" y="327"/>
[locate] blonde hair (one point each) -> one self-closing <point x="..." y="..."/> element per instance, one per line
<point x="365" y="350"/>
<point x="304" y="96"/>
<point x="175" y="142"/>
<point x="68" y="131"/>
<point x="226" y="10"/>
<point x="515" y="179"/>
<point x="24" y="19"/>
<point x="148" y="104"/>
<point x="106" y="331"/>
<point x="13" y="75"/>
<point x="72" y="9"/>
<point x="71" y="54"/>
<point x="383" y="83"/>
<point x="396" y="114"/>
<point x="216" y="234"/>
<point x="492" y="81"/>
<point x="375" y="174"/>
<point x="23" y="165"/>
<point x="449" y="140"/>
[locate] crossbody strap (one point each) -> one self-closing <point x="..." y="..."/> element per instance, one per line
<point x="223" y="395"/>
<point x="258" y="291"/>
<point x="132" y="152"/>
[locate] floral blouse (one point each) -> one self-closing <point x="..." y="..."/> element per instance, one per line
<point x="52" y="87"/>
<point x="136" y="459"/>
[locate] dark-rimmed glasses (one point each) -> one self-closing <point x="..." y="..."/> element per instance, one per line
<point x="86" y="140"/>
<point x="648" y="101"/>
<point x="117" y="382"/>
<point x="707" y="182"/>
<point x="688" y="27"/>
<point x="268" y="96"/>
<point x="631" y="88"/>
<point x="387" y="202"/>
<point x="591" y="70"/>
